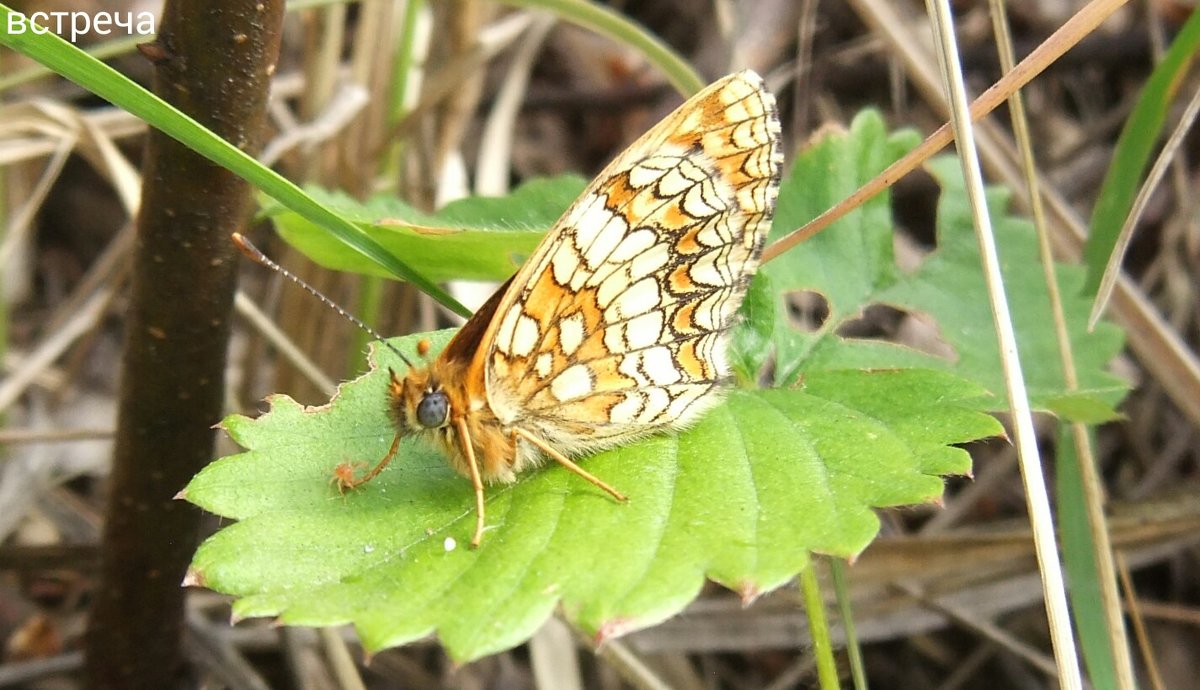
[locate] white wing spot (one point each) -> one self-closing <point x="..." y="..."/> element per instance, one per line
<point x="746" y="135"/>
<point x="701" y="201"/>
<point x="692" y="122"/>
<point x="605" y="241"/>
<point x="706" y="270"/>
<point x="650" y="170"/>
<point x="713" y="311"/>
<point x="574" y="382"/>
<point x="525" y="335"/>
<point x="638" y="298"/>
<point x="738" y="89"/>
<point x="625" y="412"/>
<point x="504" y="336"/>
<point x="631" y="366"/>
<point x="589" y="218"/>
<point x="500" y="364"/>
<point x="659" y="365"/>
<point x="674" y="183"/>
<point x="648" y="262"/>
<point x="684" y="399"/>
<point x="565" y="263"/>
<point x="715" y="232"/>
<point x="694" y="172"/>
<point x="715" y="355"/>
<point x="644" y="330"/>
<point x="611" y="288"/>
<point x="736" y="112"/>
<point x="570" y="333"/>
<point x="754" y="108"/>
<point x="752" y="198"/>
<point x="544" y="364"/>
<point x="615" y="338"/>
<point x="657" y="401"/>
<point x="635" y="243"/>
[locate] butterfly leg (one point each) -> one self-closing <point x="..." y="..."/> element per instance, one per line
<point x="343" y="474"/>
<point x="565" y="462"/>
<point x="464" y="438"/>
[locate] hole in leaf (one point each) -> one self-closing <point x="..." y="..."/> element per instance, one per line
<point x="911" y="329"/>
<point x="914" y="207"/>
<point x="807" y="310"/>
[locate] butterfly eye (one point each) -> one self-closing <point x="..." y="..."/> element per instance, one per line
<point x="433" y="409"/>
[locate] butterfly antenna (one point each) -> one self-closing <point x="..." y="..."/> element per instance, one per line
<point x="255" y="255"/>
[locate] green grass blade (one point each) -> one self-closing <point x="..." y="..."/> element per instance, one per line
<point x="1134" y="148"/>
<point x="1079" y="560"/>
<point x="103" y="51"/>
<point x="83" y="69"/>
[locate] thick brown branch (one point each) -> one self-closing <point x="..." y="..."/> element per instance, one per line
<point x="213" y="61"/>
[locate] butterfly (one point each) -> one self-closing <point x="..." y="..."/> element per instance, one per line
<point x="615" y="326"/>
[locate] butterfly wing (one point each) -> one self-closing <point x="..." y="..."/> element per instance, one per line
<point x="615" y="326"/>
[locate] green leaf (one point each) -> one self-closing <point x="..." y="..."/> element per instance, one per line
<point x="114" y="87"/>
<point x="949" y="288"/>
<point x="750" y="341"/>
<point x="476" y="238"/>
<point x="1137" y="143"/>
<point x="852" y="265"/>
<point x="741" y="498"/>
<point x="852" y="259"/>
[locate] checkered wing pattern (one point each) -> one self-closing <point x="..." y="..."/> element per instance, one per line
<point x="615" y="327"/>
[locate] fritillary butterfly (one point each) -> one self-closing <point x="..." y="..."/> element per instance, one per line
<point x="615" y="326"/>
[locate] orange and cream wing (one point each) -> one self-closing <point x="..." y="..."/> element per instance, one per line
<point x="615" y="326"/>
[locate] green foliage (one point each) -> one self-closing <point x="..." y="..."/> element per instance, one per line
<point x="1135" y="146"/>
<point x="851" y="260"/>
<point x="750" y="344"/>
<point x="851" y="264"/>
<point x="1079" y="551"/>
<point x="743" y="497"/>
<point x="949" y="288"/>
<point x="723" y="500"/>
<point x="477" y="238"/>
